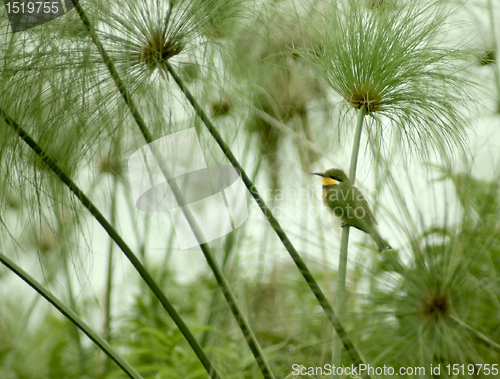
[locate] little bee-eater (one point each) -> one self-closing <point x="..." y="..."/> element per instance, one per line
<point x="347" y="202"/>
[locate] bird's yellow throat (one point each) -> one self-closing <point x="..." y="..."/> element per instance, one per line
<point x="328" y="181"/>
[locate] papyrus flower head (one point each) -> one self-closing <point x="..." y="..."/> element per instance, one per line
<point x="143" y="36"/>
<point x="390" y="61"/>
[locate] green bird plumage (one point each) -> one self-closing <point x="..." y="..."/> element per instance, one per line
<point x="348" y="203"/>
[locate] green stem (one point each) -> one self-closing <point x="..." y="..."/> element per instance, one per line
<point x="106" y="325"/>
<point x="109" y="272"/>
<point x="344" y="242"/>
<point x="304" y="270"/>
<point x="142" y="246"/>
<point x="143" y="272"/>
<point x="69" y="285"/>
<point x="355" y="147"/>
<point x="72" y="316"/>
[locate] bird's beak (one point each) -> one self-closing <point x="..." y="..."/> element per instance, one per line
<point x="319" y="174"/>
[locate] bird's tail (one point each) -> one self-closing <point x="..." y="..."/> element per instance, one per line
<point x="381" y="243"/>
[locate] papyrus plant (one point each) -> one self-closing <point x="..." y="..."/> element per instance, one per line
<point x="391" y="63"/>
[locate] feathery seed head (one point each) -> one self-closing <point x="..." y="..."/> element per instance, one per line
<point x="435" y="306"/>
<point x="364" y="95"/>
<point x="487" y="57"/>
<point x="158" y="48"/>
<point x="144" y="36"/>
<point x="391" y="64"/>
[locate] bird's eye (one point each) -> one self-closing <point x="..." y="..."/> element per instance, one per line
<point x="336" y="178"/>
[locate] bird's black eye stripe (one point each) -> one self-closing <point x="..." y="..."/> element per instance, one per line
<point x="336" y="178"/>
